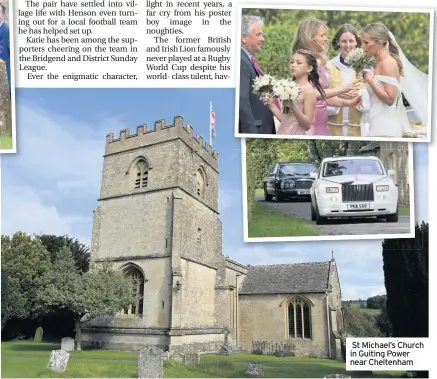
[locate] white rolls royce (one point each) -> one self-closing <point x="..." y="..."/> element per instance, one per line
<point x="353" y="187"/>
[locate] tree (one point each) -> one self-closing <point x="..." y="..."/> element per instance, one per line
<point x="359" y="324"/>
<point x="98" y="292"/>
<point x="4" y="296"/>
<point x="54" y="244"/>
<point x="406" y="271"/>
<point x="384" y="323"/>
<point x="24" y="259"/>
<point x="411" y="31"/>
<point x="376" y="302"/>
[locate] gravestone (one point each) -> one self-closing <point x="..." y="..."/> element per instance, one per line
<point x="192" y="358"/>
<point x="150" y="362"/>
<point x="58" y="360"/>
<point x="67" y="344"/>
<point x="255" y="369"/>
<point x="38" y="334"/>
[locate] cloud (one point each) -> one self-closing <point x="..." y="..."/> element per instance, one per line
<point x="57" y="167"/>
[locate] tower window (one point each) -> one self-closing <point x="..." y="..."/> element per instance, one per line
<point x="142" y="174"/>
<point x="200" y="183"/>
<point x="138" y="286"/>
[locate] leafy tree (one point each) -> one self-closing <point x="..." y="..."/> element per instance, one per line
<point x="406" y="271"/>
<point x="359" y="324"/>
<point x="4" y="296"/>
<point x="376" y="302"/>
<point x="24" y="259"/>
<point x="54" y="244"/>
<point x="98" y="292"/>
<point x="410" y="29"/>
<point x="384" y="323"/>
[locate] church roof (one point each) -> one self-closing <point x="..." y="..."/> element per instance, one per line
<point x="286" y="278"/>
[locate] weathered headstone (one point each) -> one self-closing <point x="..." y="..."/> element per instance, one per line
<point x="58" y="360"/>
<point x="67" y="344"/>
<point x="192" y="358"/>
<point x="254" y="368"/>
<point x="38" y="334"/>
<point x="150" y="362"/>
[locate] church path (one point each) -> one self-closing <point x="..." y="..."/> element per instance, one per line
<point x="302" y="209"/>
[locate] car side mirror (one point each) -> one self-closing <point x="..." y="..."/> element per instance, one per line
<point x="313" y="175"/>
<point x="391" y="173"/>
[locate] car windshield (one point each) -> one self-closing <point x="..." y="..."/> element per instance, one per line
<point x="296" y="169"/>
<point x="353" y="167"/>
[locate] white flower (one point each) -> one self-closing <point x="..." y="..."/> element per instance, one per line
<point x="286" y="89"/>
<point x="263" y="84"/>
<point x="359" y="60"/>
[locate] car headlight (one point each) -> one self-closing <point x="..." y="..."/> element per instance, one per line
<point x="289" y="184"/>
<point x="332" y="190"/>
<point x="382" y="188"/>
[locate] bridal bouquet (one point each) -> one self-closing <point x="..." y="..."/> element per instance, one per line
<point x="359" y="60"/>
<point x="264" y="84"/>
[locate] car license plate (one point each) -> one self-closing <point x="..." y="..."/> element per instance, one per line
<point x="358" y="206"/>
<point x="303" y="192"/>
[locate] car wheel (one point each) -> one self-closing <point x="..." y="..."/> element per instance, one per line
<point x="267" y="197"/>
<point x="393" y="217"/>
<point x="313" y="213"/>
<point x="320" y="220"/>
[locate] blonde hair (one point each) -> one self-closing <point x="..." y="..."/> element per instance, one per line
<point x="305" y="38"/>
<point x="380" y="34"/>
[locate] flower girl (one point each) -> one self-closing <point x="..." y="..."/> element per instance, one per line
<point x="298" y="115"/>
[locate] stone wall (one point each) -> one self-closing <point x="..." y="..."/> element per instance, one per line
<point x="263" y="318"/>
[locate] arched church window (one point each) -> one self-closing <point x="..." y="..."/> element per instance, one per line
<point x="138" y="286"/>
<point x="299" y="319"/>
<point x="141" y="174"/>
<point x="200" y="183"/>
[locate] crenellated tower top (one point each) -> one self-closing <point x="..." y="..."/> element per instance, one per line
<point x="159" y="134"/>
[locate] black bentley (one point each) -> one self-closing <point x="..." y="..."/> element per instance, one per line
<point x="289" y="180"/>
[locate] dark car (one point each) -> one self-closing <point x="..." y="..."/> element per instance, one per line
<point x="289" y="180"/>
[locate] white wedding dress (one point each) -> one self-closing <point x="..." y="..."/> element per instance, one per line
<point x="387" y="120"/>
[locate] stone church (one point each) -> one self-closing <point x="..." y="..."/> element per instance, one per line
<point x="157" y="220"/>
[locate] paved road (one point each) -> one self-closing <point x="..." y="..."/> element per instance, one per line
<point x="302" y="209"/>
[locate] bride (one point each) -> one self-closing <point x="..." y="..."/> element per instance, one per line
<point x="387" y="116"/>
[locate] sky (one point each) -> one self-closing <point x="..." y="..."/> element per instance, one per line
<point x="52" y="184"/>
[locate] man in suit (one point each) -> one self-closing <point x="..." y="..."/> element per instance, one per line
<point x="4" y="44"/>
<point x="255" y="117"/>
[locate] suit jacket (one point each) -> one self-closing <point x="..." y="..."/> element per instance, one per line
<point x="5" y="53"/>
<point x="255" y="117"/>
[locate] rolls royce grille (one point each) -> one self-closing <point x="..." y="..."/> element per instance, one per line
<point x="357" y="192"/>
<point x="304" y="184"/>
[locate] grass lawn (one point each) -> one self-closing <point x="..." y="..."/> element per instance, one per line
<point x="404" y="210"/>
<point x="5" y="141"/>
<point x="29" y="360"/>
<point x="268" y="222"/>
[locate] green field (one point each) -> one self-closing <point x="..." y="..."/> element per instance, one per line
<point x="29" y="360"/>
<point x="372" y="312"/>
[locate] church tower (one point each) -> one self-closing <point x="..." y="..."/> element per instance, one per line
<point x="157" y="220"/>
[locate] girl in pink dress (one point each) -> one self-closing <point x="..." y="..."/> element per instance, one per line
<point x="311" y="35"/>
<point x="299" y="114"/>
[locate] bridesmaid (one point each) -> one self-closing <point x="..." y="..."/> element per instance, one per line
<point x="345" y="121"/>
<point x="311" y="35"/>
<point x="300" y="116"/>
